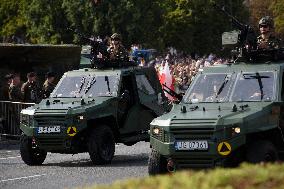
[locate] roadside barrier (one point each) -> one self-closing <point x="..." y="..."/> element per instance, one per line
<point x="10" y="118"/>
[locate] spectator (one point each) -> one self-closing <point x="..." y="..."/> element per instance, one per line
<point x="15" y="89"/>
<point x="30" y="90"/>
<point x="184" y="68"/>
<point x="8" y="80"/>
<point x="49" y="84"/>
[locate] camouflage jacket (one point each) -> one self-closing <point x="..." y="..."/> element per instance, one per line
<point x="271" y="43"/>
<point x="119" y="53"/>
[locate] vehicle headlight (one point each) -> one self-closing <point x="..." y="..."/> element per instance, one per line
<point x="26" y="119"/>
<point x="159" y="133"/>
<point x="156" y="131"/>
<point x="236" y="130"/>
<point x="79" y="118"/>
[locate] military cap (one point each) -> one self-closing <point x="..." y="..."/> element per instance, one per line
<point x="116" y="36"/>
<point x="266" y="20"/>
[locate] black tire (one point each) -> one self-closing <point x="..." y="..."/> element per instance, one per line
<point x="157" y="164"/>
<point x="31" y="156"/>
<point x="101" y="145"/>
<point x="261" y="151"/>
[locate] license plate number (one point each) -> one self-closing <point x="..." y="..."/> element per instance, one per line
<point x="51" y="129"/>
<point x="191" y="145"/>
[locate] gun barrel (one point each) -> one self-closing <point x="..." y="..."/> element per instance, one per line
<point x="235" y="21"/>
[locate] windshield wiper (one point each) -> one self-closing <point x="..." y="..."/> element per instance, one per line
<point x="258" y="77"/>
<point x="90" y="84"/>
<point x="82" y="84"/>
<point x="225" y="81"/>
<point x="107" y="80"/>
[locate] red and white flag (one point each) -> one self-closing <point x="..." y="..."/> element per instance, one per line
<point x="167" y="79"/>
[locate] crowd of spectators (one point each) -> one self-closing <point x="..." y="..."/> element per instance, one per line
<point x="30" y="91"/>
<point x="184" y="67"/>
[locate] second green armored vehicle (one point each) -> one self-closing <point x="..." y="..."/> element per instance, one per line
<point x="89" y="111"/>
<point x="231" y="113"/>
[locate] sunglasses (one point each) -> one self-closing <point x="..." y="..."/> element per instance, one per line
<point x="263" y="26"/>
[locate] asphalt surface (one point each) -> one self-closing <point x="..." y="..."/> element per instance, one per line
<point x="69" y="171"/>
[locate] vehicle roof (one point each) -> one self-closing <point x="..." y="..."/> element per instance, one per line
<point x="108" y="71"/>
<point x="244" y="67"/>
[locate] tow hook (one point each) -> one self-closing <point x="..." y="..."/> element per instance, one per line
<point x="171" y="167"/>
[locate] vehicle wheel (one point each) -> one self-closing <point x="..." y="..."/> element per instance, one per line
<point x="157" y="164"/>
<point x="101" y="145"/>
<point x="261" y="151"/>
<point x="31" y="156"/>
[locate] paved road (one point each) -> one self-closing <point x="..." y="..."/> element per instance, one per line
<point x="67" y="171"/>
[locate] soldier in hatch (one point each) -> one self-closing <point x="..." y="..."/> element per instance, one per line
<point x="116" y="49"/>
<point x="267" y="39"/>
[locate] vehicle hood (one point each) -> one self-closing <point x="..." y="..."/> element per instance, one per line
<point x="218" y="114"/>
<point x="69" y="105"/>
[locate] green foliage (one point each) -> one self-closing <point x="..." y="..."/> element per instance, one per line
<point x="46" y="21"/>
<point x="11" y="18"/>
<point x="188" y="25"/>
<point x="277" y="8"/>
<point x="245" y="177"/>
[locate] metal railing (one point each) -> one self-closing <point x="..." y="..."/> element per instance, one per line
<point x="10" y="118"/>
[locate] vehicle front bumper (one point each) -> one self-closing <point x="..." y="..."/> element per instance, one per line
<point x="198" y="159"/>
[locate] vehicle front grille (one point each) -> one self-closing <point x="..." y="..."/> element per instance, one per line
<point x="192" y="128"/>
<point x="50" y="120"/>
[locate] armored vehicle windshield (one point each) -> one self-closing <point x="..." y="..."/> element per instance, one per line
<point x="232" y="87"/>
<point x="87" y="86"/>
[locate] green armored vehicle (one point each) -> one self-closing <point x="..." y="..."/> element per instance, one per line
<point x="230" y="113"/>
<point x="89" y="111"/>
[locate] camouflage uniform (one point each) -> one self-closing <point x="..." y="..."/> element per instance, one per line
<point x="118" y="52"/>
<point x="272" y="42"/>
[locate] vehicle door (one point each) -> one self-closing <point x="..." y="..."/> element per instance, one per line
<point x="136" y="117"/>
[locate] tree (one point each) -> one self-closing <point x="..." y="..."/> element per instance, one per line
<point x="195" y="26"/>
<point x="277" y="8"/>
<point x="12" y="21"/>
<point x="46" y="21"/>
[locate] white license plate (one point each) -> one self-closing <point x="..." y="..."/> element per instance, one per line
<point x="50" y="129"/>
<point x="191" y="145"/>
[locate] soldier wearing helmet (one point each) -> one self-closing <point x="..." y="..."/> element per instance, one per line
<point x="116" y="49"/>
<point x="266" y="39"/>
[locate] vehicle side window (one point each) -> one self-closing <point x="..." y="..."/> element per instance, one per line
<point x="144" y="85"/>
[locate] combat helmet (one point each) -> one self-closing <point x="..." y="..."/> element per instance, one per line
<point x="116" y="36"/>
<point x="266" y="20"/>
